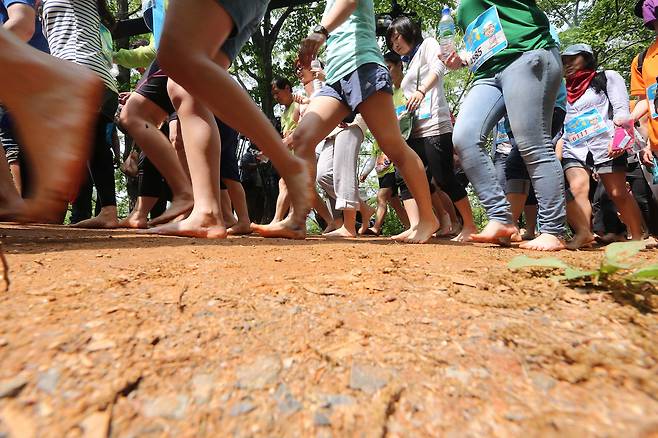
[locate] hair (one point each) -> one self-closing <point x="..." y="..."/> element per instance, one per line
<point x="282" y="83"/>
<point x="139" y="43"/>
<point x="407" y="28"/>
<point x="600" y="81"/>
<point x="392" y="57"/>
<point x="107" y="19"/>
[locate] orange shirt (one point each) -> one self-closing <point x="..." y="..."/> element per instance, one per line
<point x="640" y="83"/>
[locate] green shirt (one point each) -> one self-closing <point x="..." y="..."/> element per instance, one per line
<point x="526" y="28"/>
<point x="353" y="43"/>
<point x="288" y="123"/>
<point x="135" y="58"/>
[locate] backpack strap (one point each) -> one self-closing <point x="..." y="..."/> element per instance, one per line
<point x="604" y="81"/>
<point x="640" y="60"/>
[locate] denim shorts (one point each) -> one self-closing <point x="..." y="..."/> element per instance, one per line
<point x="247" y="16"/>
<point x="359" y="85"/>
<point x="617" y="165"/>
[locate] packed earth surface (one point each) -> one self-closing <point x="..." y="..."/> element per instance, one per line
<point x="114" y="333"/>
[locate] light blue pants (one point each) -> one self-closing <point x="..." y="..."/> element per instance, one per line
<point x="526" y="89"/>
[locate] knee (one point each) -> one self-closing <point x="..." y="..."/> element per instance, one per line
<point x="302" y="140"/>
<point x="176" y="57"/>
<point x="463" y="136"/>
<point x="579" y="189"/>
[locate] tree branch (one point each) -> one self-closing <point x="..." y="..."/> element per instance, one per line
<point x="245" y="69"/>
<point x="557" y="11"/>
<point x="274" y="32"/>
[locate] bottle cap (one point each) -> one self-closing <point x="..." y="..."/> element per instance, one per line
<point x="446" y="10"/>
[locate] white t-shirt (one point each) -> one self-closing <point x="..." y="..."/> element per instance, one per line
<point x="427" y="58"/>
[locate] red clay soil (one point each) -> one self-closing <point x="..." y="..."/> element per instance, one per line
<point x="110" y="333"/>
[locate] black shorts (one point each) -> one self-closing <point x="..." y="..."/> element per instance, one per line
<point x="388" y="182"/>
<point x="229" y="158"/>
<point x="153" y="86"/>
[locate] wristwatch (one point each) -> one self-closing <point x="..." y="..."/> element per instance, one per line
<point x="321" y="29"/>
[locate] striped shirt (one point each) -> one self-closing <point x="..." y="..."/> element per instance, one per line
<point x="73" y="31"/>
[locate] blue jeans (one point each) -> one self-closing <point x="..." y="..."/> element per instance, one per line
<point x="526" y="89"/>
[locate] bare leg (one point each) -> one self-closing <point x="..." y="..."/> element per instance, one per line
<point x="469" y="228"/>
<point x="366" y="213"/>
<point x="396" y="204"/>
<point x="380" y="116"/>
<point x="383" y="197"/>
<point x="516" y="201"/>
<point x="202" y="148"/>
<point x="194" y="33"/>
<point x="530" y="212"/>
<point x="282" y="203"/>
<point x="15" y="169"/>
<point x="227" y="209"/>
<point x="142" y="118"/>
<point x="239" y="201"/>
<point x="106" y="219"/>
<point x="55" y="123"/>
<point x="441" y="214"/>
<point x="348" y="229"/>
<point x="138" y="217"/>
<point x="615" y="185"/>
<point x="579" y="211"/>
<point x="10" y="201"/>
<point x="450" y="208"/>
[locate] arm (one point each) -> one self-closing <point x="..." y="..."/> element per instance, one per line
<point x="640" y="110"/>
<point x="370" y="165"/>
<point x="135" y="58"/>
<point x="430" y="57"/>
<point x="618" y="97"/>
<point x="21" y="20"/>
<point x="340" y="12"/>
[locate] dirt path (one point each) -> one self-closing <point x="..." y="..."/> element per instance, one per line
<point x="114" y="334"/>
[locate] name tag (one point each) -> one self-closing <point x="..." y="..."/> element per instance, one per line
<point x="651" y="96"/>
<point x="585" y="126"/>
<point x="484" y="38"/>
<point x="158" y="20"/>
<point x="502" y="136"/>
<point x="424" y="111"/>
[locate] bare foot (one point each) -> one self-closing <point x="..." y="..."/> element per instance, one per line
<point x="300" y="191"/>
<point x="366" y="213"/>
<point x="106" y="219"/>
<point x="134" y="220"/>
<point x="581" y="240"/>
<point x="544" y="242"/>
<point x="286" y="229"/>
<point x="402" y="236"/>
<point x="372" y="231"/>
<point x="56" y="125"/>
<point x="423" y="232"/>
<point x="612" y="237"/>
<point x="177" y="208"/>
<point x="464" y="235"/>
<point x="495" y="232"/>
<point x="516" y="238"/>
<point x="239" y="229"/>
<point x="527" y="235"/>
<point x="446" y="226"/>
<point x="332" y="227"/>
<point x="205" y="226"/>
<point x="341" y="233"/>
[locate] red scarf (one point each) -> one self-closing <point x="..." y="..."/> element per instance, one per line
<point x="578" y="83"/>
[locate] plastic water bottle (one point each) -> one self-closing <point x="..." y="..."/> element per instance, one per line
<point x="316" y="67"/>
<point x="446" y="33"/>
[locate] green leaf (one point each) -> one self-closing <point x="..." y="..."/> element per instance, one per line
<point x="523" y="261"/>
<point x="647" y="273"/>
<point x="618" y="252"/>
<point x="575" y="274"/>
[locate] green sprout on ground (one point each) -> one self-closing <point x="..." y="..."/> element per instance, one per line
<point x="617" y="264"/>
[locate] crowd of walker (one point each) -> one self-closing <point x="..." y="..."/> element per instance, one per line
<point x="571" y="152"/>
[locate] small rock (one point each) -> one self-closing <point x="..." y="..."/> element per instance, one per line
<point x="3" y="342"/>
<point x="285" y="400"/>
<point x="295" y="310"/>
<point x="543" y="382"/>
<point x="12" y="387"/>
<point x="48" y="380"/>
<point x="332" y="400"/>
<point x="367" y="378"/>
<point x="202" y="387"/>
<point x="99" y="342"/>
<point x="244" y="407"/>
<point x="515" y="416"/>
<point x="457" y="374"/>
<point x="481" y="373"/>
<point x="260" y="373"/>
<point x="278" y="259"/>
<point x="172" y="407"/>
<point x="319" y="419"/>
<point x="287" y="362"/>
